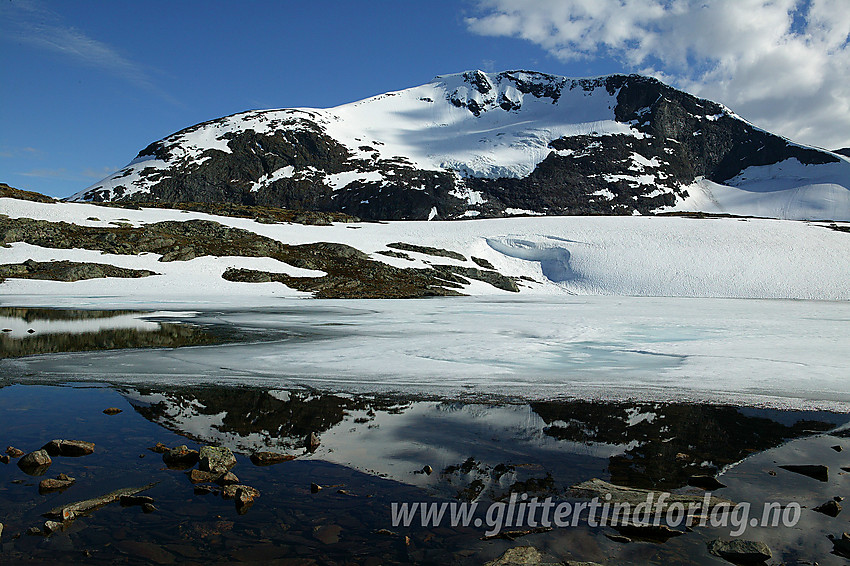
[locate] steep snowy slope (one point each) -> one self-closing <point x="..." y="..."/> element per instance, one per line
<point x="489" y="145"/>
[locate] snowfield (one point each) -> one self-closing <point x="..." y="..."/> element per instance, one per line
<point x="627" y="256"/>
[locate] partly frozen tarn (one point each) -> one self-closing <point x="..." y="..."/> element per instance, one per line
<point x="777" y="353"/>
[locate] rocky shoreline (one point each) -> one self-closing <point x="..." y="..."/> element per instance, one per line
<point x="202" y="498"/>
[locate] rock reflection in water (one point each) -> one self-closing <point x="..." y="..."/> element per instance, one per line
<point x="31" y="331"/>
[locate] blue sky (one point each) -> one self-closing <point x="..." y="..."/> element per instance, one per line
<point x="88" y="84"/>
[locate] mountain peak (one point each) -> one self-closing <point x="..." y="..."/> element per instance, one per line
<point x="477" y="144"/>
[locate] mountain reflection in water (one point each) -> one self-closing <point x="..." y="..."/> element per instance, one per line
<point x="32" y="331"/>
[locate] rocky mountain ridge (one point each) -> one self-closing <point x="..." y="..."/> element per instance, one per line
<point x="483" y="145"/>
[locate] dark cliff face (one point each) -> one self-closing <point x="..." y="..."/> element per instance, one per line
<point x="680" y="137"/>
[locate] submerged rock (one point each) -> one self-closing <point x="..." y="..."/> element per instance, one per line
<point x="69" y="448"/>
<point x="740" y="551"/>
<point x="14" y="452"/>
<point x="181" y="457"/>
<point x="518" y="555"/>
<point x="112" y="411"/>
<point x="61" y="482"/>
<point x="270" y="458"/>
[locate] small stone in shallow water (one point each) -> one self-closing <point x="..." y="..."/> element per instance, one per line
<point x="216" y="459"/>
<point x="159" y="448"/>
<point x="428" y="469"/>
<point x="14" y="452"/>
<point x="61" y="482"/>
<point x="740" y="551"/>
<point x="69" y="448"/>
<point x="227" y="479"/>
<point x="269" y="458"/>
<point x="35" y="463"/>
<point x="128" y="500"/>
<point x="52" y="526"/>
<point x="112" y="411"/>
<point x="315" y="488"/>
<point x="5" y="458"/>
<point x="180" y="457"/>
<point x="148" y="508"/>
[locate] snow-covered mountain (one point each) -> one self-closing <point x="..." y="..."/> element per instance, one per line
<point x="494" y="144"/>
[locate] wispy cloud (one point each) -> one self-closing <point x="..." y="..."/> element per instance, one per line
<point x="32" y="23"/>
<point x="784" y="64"/>
<point x="60" y="173"/>
<point x="67" y="175"/>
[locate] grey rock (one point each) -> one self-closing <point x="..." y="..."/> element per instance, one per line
<point x="216" y="459"/>
<point x="35" y="463"/>
<point x="52" y="526"/>
<point x="517" y="556"/>
<point x="740" y="551"/>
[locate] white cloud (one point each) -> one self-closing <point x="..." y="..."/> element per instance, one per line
<point x="782" y="64"/>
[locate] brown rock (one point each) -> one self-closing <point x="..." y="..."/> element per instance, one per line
<point x="199" y="476"/>
<point x="129" y="500"/>
<point x="5" y="459"/>
<point x="328" y="534"/>
<point x="14" y="452"/>
<point x="180" y="457"/>
<point x="270" y="458"/>
<point x="112" y="411"/>
<point x="159" y="448"/>
<point x="49" y="485"/>
<point x="70" y="448"/>
<point x="227" y="479"/>
<point x="239" y="491"/>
